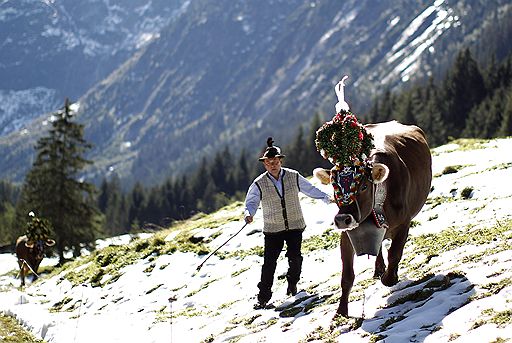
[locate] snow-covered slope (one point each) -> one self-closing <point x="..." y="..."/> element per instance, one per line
<point x="455" y="276"/>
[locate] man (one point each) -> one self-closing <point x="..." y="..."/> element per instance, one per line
<point x="277" y="189"/>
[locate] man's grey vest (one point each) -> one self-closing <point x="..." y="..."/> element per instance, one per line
<point x="281" y="213"/>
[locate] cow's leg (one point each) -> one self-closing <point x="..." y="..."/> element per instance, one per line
<point x="390" y="276"/>
<point x="22" y="272"/>
<point x="380" y="267"/>
<point x="36" y="268"/>
<point x="347" y="276"/>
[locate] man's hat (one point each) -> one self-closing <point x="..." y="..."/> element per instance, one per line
<point x="271" y="150"/>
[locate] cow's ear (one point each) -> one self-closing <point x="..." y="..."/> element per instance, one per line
<point x="29" y="244"/>
<point x="380" y="172"/>
<point x="323" y="175"/>
<point x="50" y="242"/>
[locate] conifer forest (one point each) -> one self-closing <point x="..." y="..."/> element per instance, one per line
<point x="472" y="100"/>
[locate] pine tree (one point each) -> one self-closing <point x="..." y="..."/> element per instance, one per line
<point x="111" y="202"/>
<point x="54" y="190"/>
<point x="7" y="234"/>
<point x="137" y="204"/>
<point x="492" y="77"/>
<point x="186" y="201"/>
<point x="199" y="179"/>
<point x="170" y="213"/>
<point x="464" y="88"/>
<point x="8" y="197"/>
<point x="405" y="109"/>
<point x="219" y="171"/>
<point x="153" y="209"/>
<point x="103" y="196"/>
<point x="312" y="158"/>
<point x="206" y="203"/>
<point x="506" y="124"/>
<point x="386" y="106"/>
<point x="373" y="114"/>
<point x="485" y="119"/>
<point x="295" y="153"/>
<point x="243" y="176"/>
<point x="432" y="122"/>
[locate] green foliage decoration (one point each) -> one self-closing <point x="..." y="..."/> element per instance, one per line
<point x="38" y="228"/>
<point x="343" y="140"/>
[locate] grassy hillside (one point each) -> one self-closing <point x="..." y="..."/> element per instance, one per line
<point x="455" y="277"/>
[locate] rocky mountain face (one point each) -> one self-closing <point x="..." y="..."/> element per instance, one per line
<point x="53" y="49"/>
<point x="216" y="74"/>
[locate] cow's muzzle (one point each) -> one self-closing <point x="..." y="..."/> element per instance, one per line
<point x="345" y="221"/>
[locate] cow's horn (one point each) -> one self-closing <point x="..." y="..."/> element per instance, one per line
<point x="380" y="172"/>
<point x="50" y="242"/>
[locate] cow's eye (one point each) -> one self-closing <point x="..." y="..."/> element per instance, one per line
<point x="364" y="187"/>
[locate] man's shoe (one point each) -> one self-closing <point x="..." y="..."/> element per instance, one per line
<point x="263" y="306"/>
<point x="262" y="300"/>
<point x="259" y="305"/>
<point x="292" y="290"/>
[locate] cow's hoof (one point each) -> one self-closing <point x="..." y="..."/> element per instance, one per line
<point x="378" y="273"/>
<point x="341" y="312"/>
<point x="389" y="280"/>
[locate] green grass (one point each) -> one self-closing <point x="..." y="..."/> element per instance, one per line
<point x="238" y="272"/>
<point x="12" y="332"/>
<point x="59" y="306"/>
<point x="501" y="319"/>
<point x="453" y="238"/>
<point x="432" y="286"/>
<point x="105" y="266"/>
<point x="328" y="240"/>
<point x="500" y="166"/>
<point x="451" y="169"/>
<point x="466" y="144"/>
<point x="331" y="333"/>
<point x="495" y="287"/>
<point x="436" y="201"/>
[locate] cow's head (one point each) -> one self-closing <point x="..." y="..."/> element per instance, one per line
<point x="354" y="190"/>
<point x="39" y="245"/>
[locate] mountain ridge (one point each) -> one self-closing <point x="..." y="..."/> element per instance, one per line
<point x="231" y="74"/>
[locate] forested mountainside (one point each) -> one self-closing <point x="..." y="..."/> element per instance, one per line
<point x="231" y="73"/>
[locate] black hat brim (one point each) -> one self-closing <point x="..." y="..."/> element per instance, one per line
<point x="265" y="157"/>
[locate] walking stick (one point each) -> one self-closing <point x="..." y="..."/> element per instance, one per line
<point x="213" y="252"/>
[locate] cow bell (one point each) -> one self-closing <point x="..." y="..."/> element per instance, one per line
<point x="367" y="238"/>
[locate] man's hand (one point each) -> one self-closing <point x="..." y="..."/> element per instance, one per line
<point x="248" y="219"/>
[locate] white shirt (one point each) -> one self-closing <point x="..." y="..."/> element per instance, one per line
<point x="253" y="197"/>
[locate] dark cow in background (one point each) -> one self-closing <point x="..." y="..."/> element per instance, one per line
<point x="30" y="254"/>
<point x="398" y="175"/>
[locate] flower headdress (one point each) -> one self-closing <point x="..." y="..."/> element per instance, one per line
<point x="343" y="140"/>
<point x="346" y="144"/>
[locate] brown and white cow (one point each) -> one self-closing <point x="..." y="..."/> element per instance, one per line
<point x="398" y="175"/>
<point x="30" y="254"/>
